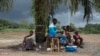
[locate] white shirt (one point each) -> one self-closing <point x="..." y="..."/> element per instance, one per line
<point x="32" y="37"/>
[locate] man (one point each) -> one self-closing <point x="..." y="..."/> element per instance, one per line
<point x="52" y="28"/>
<point x="29" y="41"/>
<point x="51" y="31"/>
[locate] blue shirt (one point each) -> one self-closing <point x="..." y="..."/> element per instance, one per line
<point x="52" y="30"/>
<point x="63" y="39"/>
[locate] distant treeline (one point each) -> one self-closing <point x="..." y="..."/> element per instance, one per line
<point x="12" y="25"/>
<point x="88" y="29"/>
<point x="6" y="24"/>
<point x="91" y="29"/>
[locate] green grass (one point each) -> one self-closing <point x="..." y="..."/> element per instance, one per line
<point x="16" y="30"/>
<point x="5" y="37"/>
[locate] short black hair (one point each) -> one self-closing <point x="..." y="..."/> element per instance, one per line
<point x="61" y="32"/>
<point x="76" y="32"/>
<point x="54" y="19"/>
<point x="68" y="28"/>
<point x="31" y="31"/>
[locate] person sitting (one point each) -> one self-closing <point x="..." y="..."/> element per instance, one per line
<point x="29" y="41"/>
<point x="62" y="39"/>
<point x="78" y="40"/>
<point x="68" y="36"/>
<point x="67" y="33"/>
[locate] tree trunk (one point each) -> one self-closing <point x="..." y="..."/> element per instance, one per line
<point x="40" y="33"/>
<point x="41" y="10"/>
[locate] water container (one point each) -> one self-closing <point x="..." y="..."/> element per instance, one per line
<point x="71" y="48"/>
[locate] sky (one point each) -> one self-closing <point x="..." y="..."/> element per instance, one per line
<point x="22" y="10"/>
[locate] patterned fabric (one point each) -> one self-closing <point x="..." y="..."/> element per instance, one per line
<point x="63" y="40"/>
<point x="28" y="44"/>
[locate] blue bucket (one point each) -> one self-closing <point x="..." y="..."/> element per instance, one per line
<point x="71" y="48"/>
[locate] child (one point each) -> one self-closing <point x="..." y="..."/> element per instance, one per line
<point x="63" y="40"/>
<point x="78" y="39"/>
<point x="68" y="36"/>
<point x="67" y="33"/>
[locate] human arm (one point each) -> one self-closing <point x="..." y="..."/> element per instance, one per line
<point x="26" y="37"/>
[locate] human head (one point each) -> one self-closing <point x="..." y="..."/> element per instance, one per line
<point x="54" y="21"/>
<point x="62" y="32"/>
<point x="64" y="28"/>
<point x="67" y="28"/>
<point x="76" y="32"/>
<point x="31" y="32"/>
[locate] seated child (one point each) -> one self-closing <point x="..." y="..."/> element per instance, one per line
<point x="62" y="39"/>
<point x="29" y="41"/>
<point x="68" y="36"/>
<point x="78" y="39"/>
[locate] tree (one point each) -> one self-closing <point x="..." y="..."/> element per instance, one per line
<point x="24" y="23"/>
<point x="53" y="4"/>
<point x="73" y="28"/>
<point x="42" y="8"/>
<point x="5" y="5"/>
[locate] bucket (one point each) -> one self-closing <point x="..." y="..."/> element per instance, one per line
<point x="71" y="48"/>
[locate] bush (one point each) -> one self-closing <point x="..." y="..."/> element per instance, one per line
<point x="91" y="29"/>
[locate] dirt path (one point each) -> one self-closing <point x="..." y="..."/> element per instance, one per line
<point x="10" y="46"/>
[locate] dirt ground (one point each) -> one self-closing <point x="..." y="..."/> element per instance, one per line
<point x="9" y="46"/>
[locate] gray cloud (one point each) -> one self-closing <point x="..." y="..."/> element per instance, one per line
<point x="77" y="19"/>
<point x="22" y="10"/>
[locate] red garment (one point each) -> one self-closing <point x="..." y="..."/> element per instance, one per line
<point x="77" y="35"/>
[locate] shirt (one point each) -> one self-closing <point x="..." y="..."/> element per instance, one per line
<point x="33" y="38"/>
<point x="63" y="39"/>
<point x="77" y="36"/>
<point x="52" y="30"/>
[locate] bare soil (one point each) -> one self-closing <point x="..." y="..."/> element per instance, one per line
<point x="10" y="46"/>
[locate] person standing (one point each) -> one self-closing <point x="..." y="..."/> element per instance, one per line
<point x="52" y="31"/>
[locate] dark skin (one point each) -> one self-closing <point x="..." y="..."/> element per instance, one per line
<point x="30" y="34"/>
<point x="48" y="39"/>
<point x="78" y="40"/>
<point x="29" y="41"/>
<point x="54" y="21"/>
<point x="68" y="36"/>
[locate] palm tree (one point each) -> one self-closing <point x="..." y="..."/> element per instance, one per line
<point x="40" y="10"/>
<point x="53" y="5"/>
<point x="43" y="8"/>
<point x="96" y="4"/>
<point x="5" y="5"/>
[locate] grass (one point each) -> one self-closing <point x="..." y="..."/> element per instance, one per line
<point x="12" y="33"/>
<point x="5" y="37"/>
<point x="16" y="30"/>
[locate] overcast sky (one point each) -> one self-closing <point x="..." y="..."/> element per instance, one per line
<point x="22" y="10"/>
